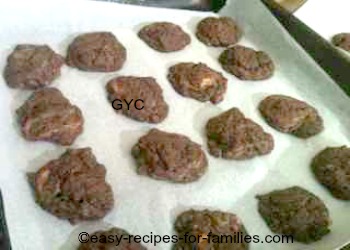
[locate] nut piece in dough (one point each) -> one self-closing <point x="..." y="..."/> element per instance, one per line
<point x="198" y="81"/>
<point x="47" y="115"/>
<point x="73" y="187"/>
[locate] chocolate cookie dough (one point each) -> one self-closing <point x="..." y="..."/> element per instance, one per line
<point x="290" y="115"/>
<point x="342" y="40"/>
<point x="247" y="63"/>
<point x="232" y="136"/>
<point x="169" y="156"/>
<point x="295" y="211"/>
<point x="218" y="31"/>
<point x="96" y="51"/>
<point x="105" y="244"/>
<point x="198" y="81"/>
<point x="331" y="167"/>
<point x="32" y="66"/>
<point x="164" y="36"/>
<point x="214" y="230"/>
<point x="73" y="187"/>
<point x="47" y="115"/>
<point x="148" y="101"/>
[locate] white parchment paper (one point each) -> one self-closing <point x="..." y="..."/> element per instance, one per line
<point x="144" y="205"/>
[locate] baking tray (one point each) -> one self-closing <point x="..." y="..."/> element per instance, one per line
<point x="144" y="205"/>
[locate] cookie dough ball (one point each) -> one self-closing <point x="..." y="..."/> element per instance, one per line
<point x="96" y="51"/>
<point x="169" y="156"/>
<point x="295" y="211"/>
<point x="164" y="36"/>
<point x="290" y="115"/>
<point x="218" y="31"/>
<point x="232" y="136"/>
<point x="331" y="167"/>
<point x="210" y="226"/>
<point x="105" y="244"/>
<point x="148" y="104"/>
<point x="342" y="40"/>
<point x="47" y="115"/>
<point x="247" y="63"/>
<point x="198" y="81"/>
<point x="32" y="66"/>
<point x="73" y="187"/>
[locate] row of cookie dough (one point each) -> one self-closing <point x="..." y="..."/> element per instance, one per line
<point x="292" y="211"/>
<point x="48" y="115"/>
<point x="32" y="66"/>
<point x="63" y="196"/>
<point x="73" y="187"/>
<point x="174" y="157"/>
